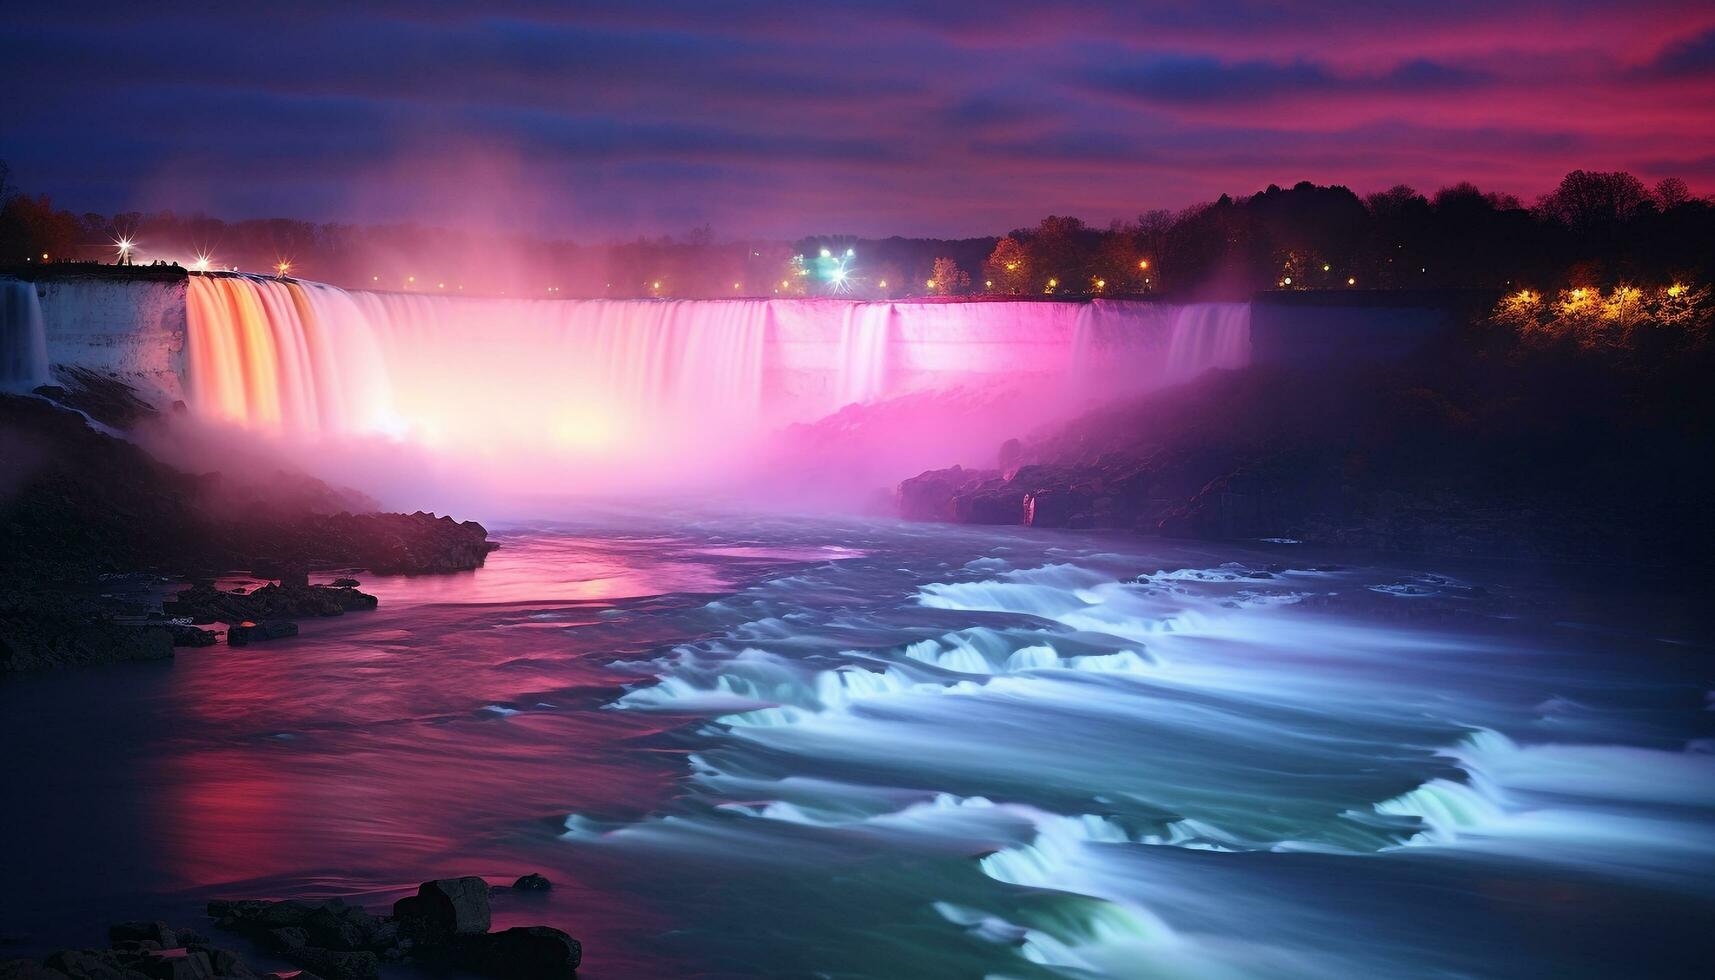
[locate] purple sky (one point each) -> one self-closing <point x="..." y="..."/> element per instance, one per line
<point x="879" y="117"/>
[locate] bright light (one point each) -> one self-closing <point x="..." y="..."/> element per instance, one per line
<point x="988" y="283"/>
<point x="1287" y="281"/>
<point x="1676" y="290"/>
<point x="44" y="256"/>
<point x="930" y="283"/>
<point x="838" y="275"/>
<point x="1010" y="266"/>
<point x="1052" y="283"/>
<point x="124" y="246"/>
<point x="1143" y="263"/>
<point x="1325" y="267"/>
<point x="735" y="285"/>
<point x="374" y="278"/>
<point x="655" y="286"/>
<point x="1101" y="284"/>
<point x="283" y="267"/>
<point x="883" y="284"/>
<point x="826" y="253"/>
<point x="201" y="263"/>
<point x="850" y="252"/>
<point x="440" y="285"/>
<point x="785" y="284"/>
<point x="410" y="278"/>
<point x="1351" y="281"/>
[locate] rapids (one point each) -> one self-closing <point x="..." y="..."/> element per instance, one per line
<point x="809" y="747"/>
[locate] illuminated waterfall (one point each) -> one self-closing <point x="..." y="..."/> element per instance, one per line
<point x="601" y="377"/>
<point x="23" y="343"/>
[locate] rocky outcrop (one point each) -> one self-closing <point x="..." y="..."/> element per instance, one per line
<point x="444" y="925"/>
<point x="78" y="506"/>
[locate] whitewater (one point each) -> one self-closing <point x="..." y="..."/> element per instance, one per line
<point x="838" y="747"/>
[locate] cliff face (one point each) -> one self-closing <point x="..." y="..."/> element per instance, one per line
<point x="1464" y="450"/>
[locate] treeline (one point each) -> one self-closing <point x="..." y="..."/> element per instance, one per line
<point x="1596" y="229"/>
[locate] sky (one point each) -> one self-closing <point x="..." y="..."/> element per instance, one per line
<point x="595" y="121"/>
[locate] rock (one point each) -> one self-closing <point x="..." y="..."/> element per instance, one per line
<point x="139" y="930"/>
<point x="453" y="906"/>
<point x="88" y="964"/>
<point x="346" y="583"/>
<point x="999" y="505"/>
<point x="287" y="913"/>
<point x="929" y="495"/>
<point x="176" y="964"/>
<point x="191" y="636"/>
<point x="343" y="929"/>
<point x="294" y="577"/>
<point x="523" y="953"/>
<point x="286" y="938"/>
<point x="245" y="634"/>
<point x="337" y="965"/>
<point x="532" y="883"/>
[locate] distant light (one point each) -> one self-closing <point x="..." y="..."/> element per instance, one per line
<point x="1011" y="266"/>
<point x="988" y="283"/>
<point x="1101" y="284"/>
<point x="1141" y="264"/>
<point x="1351" y="281"/>
<point x="850" y="252"/>
<point x="1325" y="267"/>
<point x="440" y="285"/>
<point x="785" y="284"/>
<point x="826" y="253"/>
<point x="44" y="256"/>
<point x="1052" y="283"/>
<point x="883" y="284"/>
<point x="735" y="285"/>
<point x="283" y="267"/>
<point x="1287" y="281"/>
<point x="655" y="286"/>
<point x="374" y="278"/>
<point x="1676" y="290"/>
<point x="930" y="283"/>
<point x="201" y="263"/>
<point x="410" y="278"/>
<point x="838" y="275"/>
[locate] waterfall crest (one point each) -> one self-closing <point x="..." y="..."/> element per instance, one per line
<point x="647" y="377"/>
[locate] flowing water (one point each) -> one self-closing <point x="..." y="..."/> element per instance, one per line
<point x="747" y="746"/>
<point x="23" y="340"/>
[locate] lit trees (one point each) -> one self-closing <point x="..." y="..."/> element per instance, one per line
<point x="947" y="278"/>
<point x="1008" y="267"/>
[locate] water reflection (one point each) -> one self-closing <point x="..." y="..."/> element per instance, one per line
<point x="780" y="747"/>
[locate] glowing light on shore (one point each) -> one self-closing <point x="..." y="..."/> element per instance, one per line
<point x="124" y="245"/>
<point x="883" y="284"/>
<point x="201" y="263"/>
<point x="282" y="267"/>
<point x="1141" y="264"/>
<point x="1676" y="290"/>
<point x="1351" y="280"/>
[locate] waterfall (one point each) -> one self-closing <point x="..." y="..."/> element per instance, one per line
<point x="1208" y="335"/>
<point x="664" y="379"/>
<point x="863" y="352"/>
<point x="23" y="341"/>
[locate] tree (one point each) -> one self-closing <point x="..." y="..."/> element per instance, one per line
<point x="1008" y="267"/>
<point x="1671" y="193"/>
<point x="1589" y="200"/>
<point x="947" y="278"/>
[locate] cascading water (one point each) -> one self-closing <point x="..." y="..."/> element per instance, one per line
<point x="23" y="342"/>
<point x="668" y="387"/>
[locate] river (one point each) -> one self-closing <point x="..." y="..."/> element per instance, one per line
<point x="745" y="745"/>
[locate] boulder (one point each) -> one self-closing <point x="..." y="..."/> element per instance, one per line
<point x="138" y="930"/>
<point x="447" y="907"/>
<point x="337" y="965"/>
<point x="532" y="883"/>
<point x="522" y="953"/>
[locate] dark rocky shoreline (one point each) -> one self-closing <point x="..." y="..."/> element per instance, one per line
<point x="1482" y="447"/>
<point x="89" y="522"/>
<point x="445" y="925"/>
